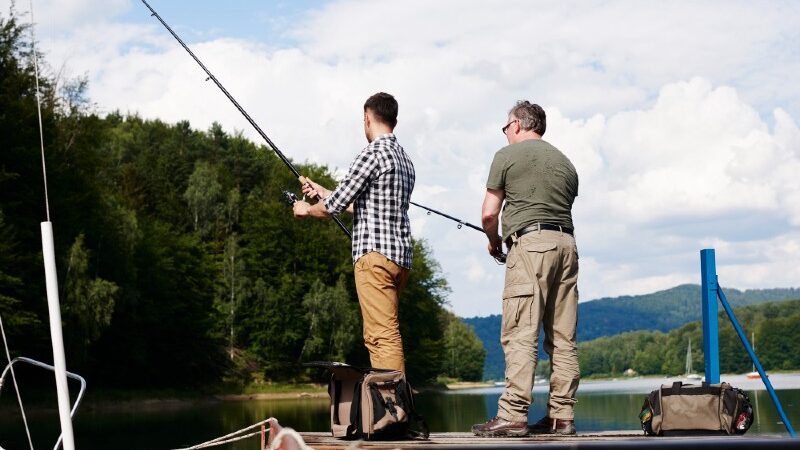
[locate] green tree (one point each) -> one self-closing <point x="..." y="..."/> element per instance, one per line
<point x="779" y="339"/>
<point x="162" y="333"/>
<point x="464" y="352"/>
<point x="11" y="286"/>
<point x="422" y="316"/>
<point x="88" y="303"/>
<point x="204" y="196"/>
<point x="334" y="322"/>
<point x="235" y="285"/>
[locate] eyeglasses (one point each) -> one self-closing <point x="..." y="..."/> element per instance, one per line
<point x="505" y="128"/>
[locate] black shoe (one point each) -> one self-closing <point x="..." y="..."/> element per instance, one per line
<point x="501" y="427"/>
<point x="546" y="425"/>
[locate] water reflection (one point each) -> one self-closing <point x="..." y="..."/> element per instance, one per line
<point x="164" y="425"/>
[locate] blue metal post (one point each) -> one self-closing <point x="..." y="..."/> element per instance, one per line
<point x="708" y="275"/>
<point x="755" y="360"/>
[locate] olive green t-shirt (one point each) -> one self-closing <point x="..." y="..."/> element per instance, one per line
<point x="540" y="185"/>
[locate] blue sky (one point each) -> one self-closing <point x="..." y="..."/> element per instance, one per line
<point x="262" y="21"/>
<point x="681" y="117"/>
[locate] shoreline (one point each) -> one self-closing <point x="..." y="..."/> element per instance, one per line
<point x="643" y="385"/>
<point x="634" y="385"/>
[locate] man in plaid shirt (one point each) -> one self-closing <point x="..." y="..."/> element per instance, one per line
<point x="377" y="190"/>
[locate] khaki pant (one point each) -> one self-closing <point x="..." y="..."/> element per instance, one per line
<point x="541" y="288"/>
<point x="379" y="281"/>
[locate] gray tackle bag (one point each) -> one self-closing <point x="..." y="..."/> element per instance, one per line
<point x="685" y="409"/>
<point x="371" y="404"/>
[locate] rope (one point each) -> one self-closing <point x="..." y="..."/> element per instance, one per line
<point x="290" y="433"/>
<point x="214" y="444"/>
<point x="14" y="379"/>
<point x="231" y="437"/>
<point x="39" y="110"/>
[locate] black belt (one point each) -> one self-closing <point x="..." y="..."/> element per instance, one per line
<point x="537" y="227"/>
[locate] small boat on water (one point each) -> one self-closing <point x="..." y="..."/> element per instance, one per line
<point x="690" y="375"/>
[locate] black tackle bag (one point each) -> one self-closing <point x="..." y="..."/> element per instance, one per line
<point x="371" y="404"/>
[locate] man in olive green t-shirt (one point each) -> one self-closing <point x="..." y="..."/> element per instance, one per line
<point x="538" y="184"/>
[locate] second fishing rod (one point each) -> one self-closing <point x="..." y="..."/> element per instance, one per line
<point x="272" y="145"/>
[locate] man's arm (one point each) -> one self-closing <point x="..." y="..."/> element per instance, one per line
<point x="490" y="214"/>
<point x="303" y="209"/>
<point x="316" y="190"/>
<point x="353" y="184"/>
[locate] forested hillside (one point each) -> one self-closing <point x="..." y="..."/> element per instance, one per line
<point x="662" y="311"/>
<point x="179" y="263"/>
<point x="777" y="336"/>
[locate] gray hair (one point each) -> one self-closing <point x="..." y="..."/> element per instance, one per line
<point x="530" y="115"/>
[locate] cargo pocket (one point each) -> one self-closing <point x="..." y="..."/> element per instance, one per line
<point x="518" y="290"/>
<point x="526" y="262"/>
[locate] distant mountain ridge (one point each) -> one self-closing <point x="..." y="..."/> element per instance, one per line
<point x="662" y="311"/>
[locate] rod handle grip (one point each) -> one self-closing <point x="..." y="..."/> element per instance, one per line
<point x="303" y="180"/>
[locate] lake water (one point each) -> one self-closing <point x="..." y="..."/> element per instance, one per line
<point x="163" y="425"/>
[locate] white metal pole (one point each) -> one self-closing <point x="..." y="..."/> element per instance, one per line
<point x="59" y="360"/>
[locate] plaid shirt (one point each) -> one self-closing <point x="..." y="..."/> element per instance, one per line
<point x="379" y="184"/>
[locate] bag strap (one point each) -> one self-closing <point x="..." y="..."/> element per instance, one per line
<point x="424" y="432"/>
<point x="337" y="397"/>
<point x="420" y="421"/>
<point x="355" y="412"/>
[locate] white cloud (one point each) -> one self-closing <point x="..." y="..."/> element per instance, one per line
<point x="671" y="113"/>
<point x="62" y="15"/>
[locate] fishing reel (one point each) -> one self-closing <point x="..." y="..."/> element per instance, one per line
<point x="290" y="198"/>
<point x="501" y="258"/>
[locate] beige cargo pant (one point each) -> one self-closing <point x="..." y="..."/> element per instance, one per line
<point x="379" y="281"/>
<point x="541" y="287"/>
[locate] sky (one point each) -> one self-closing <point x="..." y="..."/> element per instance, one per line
<point x="681" y="118"/>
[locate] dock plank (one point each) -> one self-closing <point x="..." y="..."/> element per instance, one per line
<point x="605" y="439"/>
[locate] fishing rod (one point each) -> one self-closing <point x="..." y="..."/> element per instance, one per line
<point x="258" y="129"/>
<point x="459" y="221"/>
<point x="501" y="258"/>
<point x="303" y="180"/>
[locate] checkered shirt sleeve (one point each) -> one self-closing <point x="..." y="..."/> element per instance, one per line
<point x="379" y="185"/>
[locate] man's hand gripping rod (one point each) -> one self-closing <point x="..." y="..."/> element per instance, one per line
<point x="241" y="110"/>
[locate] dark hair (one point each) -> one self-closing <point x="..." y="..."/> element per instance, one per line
<point x="530" y="115"/>
<point x="384" y="106"/>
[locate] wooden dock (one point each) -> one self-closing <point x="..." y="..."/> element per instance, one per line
<point x="597" y="440"/>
